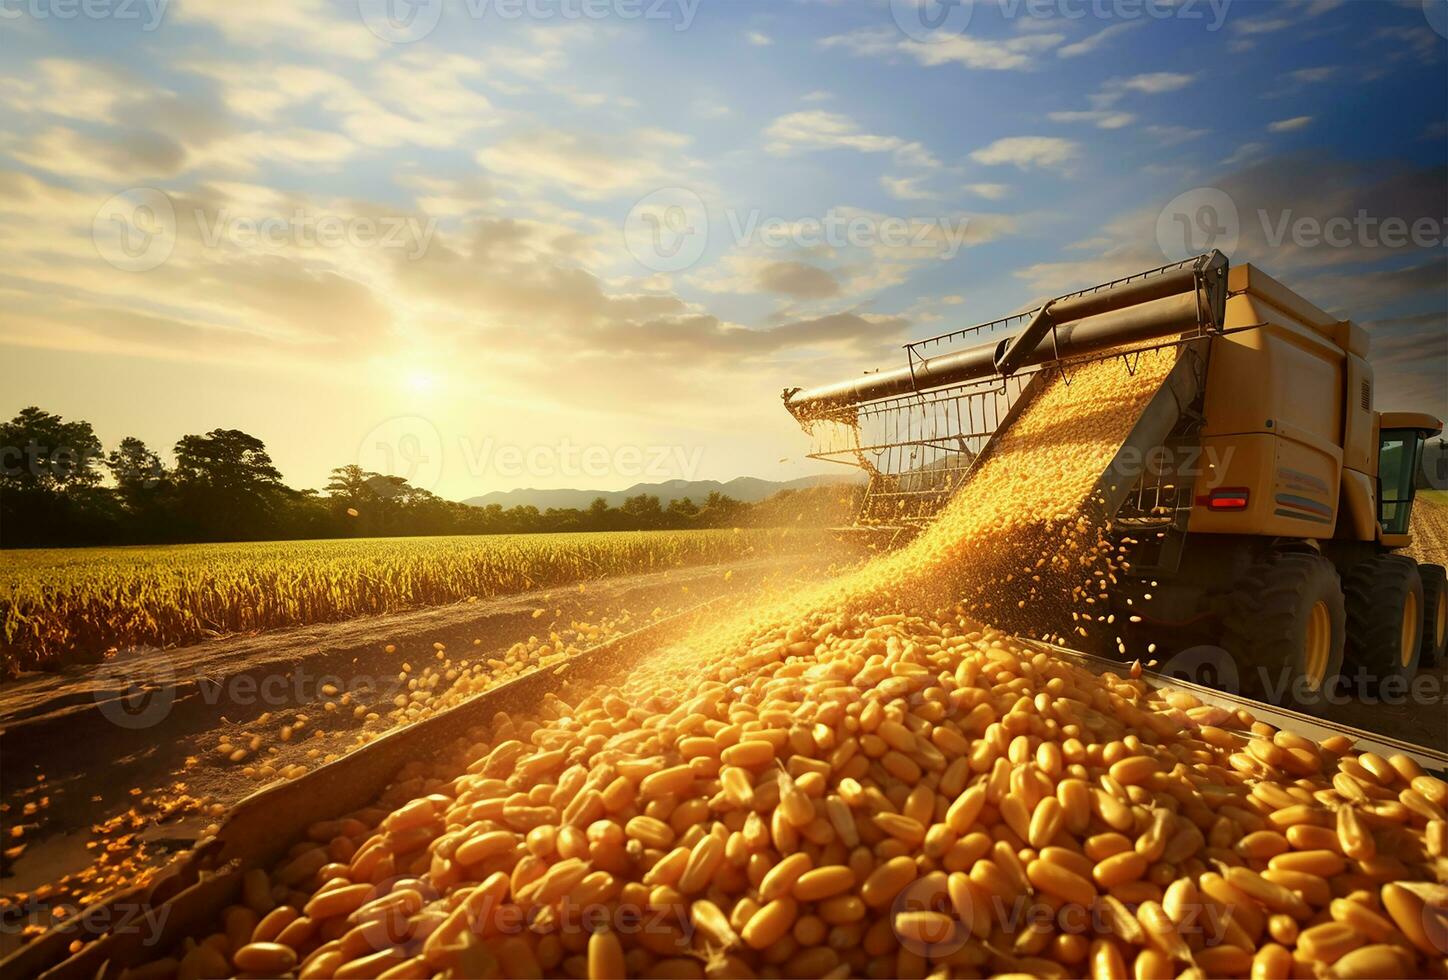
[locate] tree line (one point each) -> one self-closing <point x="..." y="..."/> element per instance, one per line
<point x="59" y="487"/>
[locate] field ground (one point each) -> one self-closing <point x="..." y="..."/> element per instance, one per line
<point x="60" y="606"/>
<point x="1430" y="527"/>
<point x="104" y="781"/>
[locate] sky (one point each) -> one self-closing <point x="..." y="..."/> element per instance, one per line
<point x="490" y="244"/>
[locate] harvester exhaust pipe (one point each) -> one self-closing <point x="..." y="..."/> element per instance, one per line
<point x="1166" y="303"/>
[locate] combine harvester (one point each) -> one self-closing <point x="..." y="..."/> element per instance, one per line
<point x="1259" y="499"/>
<point x="1281" y="547"/>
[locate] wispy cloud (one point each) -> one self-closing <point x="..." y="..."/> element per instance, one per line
<point x="1029" y="152"/>
<point x="906" y="188"/>
<point x="1244" y="153"/>
<point x="1100" y="118"/>
<point x="1151" y="83"/>
<point x="1289" y="125"/>
<point x="588" y="166"/>
<point x="1010" y="54"/>
<point x="1091" y="42"/>
<point x="300" y="25"/>
<point x="991" y="192"/>
<point x="816" y="129"/>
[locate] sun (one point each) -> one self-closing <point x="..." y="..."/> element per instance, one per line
<point x="421" y="382"/>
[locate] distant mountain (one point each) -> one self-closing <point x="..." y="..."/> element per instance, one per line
<point x="746" y="488"/>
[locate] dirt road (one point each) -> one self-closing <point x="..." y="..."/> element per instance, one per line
<point x="108" y="771"/>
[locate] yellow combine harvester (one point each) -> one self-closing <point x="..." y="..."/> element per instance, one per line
<point x="1260" y="497"/>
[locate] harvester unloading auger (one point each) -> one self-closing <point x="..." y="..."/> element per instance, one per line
<point x="1259" y="498"/>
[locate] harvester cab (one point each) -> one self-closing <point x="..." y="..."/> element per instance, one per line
<point x="1259" y="500"/>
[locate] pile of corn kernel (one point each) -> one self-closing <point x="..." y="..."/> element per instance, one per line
<point x="870" y="782"/>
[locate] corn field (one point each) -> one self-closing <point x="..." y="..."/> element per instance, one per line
<point x="63" y="605"/>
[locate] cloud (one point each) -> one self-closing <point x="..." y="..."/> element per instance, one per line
<point x="816" y="129"/>
<point x="1353" y="273"/>
<point x="1151" y="83"/>
<point x="1093" y="41"/>
<point x="1289" y="125"/>
<point x="1013" y="54"/>
<point x="302" y="25"/>
<point x="513" y="290"/>
<point x="585" y="165"/>
<point x="798" y="280"/>
<point x="862" y="251"/>
<point x="906" y="188"/>
<point x="1285" y="14"/>
<point x="1260" y="25"/>
<point x="226" y="289"/>
<point x="1244" y="153"/>
<point x="1360" y="294"/>
<point x="1103" y="115"/>
<point x="1279" y="194"/>
<point x="759" y="39"/>
<point x="1100" y="118"/>
<point x="415" y="98"/>
<point x="125" y="157"/>
<point x="1409" y="341"/>
<point x="708" y="337"/>
<point x="991" y="192"/>
<point x="1419" y="42"/>
<point x="1408" y="352"/>
<point x="508" y="286"/>
<point x="81" y="90"/>
<point x="1028" y="152"/>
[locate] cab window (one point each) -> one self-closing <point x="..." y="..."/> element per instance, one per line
<point x="1400" y="451"/>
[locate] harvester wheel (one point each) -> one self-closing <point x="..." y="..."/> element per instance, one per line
<point x="1435" y="613"/>
<point x="1384" y="619"/>
<point x="1285" y="627"/>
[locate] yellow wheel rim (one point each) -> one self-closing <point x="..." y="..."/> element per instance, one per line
<point x="1440" y="628"/>
<point x="1319" y="643"/>
<point x="1410" y="629"/>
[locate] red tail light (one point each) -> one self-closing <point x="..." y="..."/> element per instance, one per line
<point x="1226" y="498"/>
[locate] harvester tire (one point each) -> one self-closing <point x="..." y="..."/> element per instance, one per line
<point x="1285" y="626"/>
<point x="1435" y="613"/>
<point x="1384" y="620"/>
